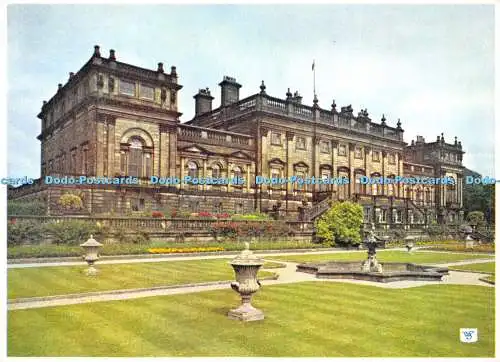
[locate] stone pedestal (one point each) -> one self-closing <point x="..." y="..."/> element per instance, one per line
<point x="246" y="312"/>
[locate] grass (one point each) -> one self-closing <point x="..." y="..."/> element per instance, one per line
<point x="45" y="281"/>
<point x="480" y="267"/>
<point x="313" y="319"/>
<point x="40" y="251"/>
<point x="384" y="255"/>
<point x="273" y="265"/>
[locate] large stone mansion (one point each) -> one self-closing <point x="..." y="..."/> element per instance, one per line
<point x="115" y="119"/>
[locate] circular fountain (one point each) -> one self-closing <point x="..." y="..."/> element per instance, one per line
<point x="371" y="269"/>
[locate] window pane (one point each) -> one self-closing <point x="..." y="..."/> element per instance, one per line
<point x="147" y="92"/>
<point x="127" y="88"/>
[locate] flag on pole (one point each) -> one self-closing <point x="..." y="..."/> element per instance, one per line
<point x="313" y="66"/>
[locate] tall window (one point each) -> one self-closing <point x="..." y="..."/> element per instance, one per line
<point x="135" y="158"/>
<point x="343" y="188"/>
<point x="342" y="150"/>
<point x="215" y="171"/>
<point x="192" y="169"/>
<point x="237" y="172"/>
<point x="325" y="175"/>
<point x="359" y="188"/>
<point x="358" y="152"/>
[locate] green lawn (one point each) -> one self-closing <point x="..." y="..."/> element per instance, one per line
<point x="384" y="255"/>
<point x="320" y="319"/>
<point x="43" y="281"/>
<point x="43" y="251"/>
<point x="480" y="267"/>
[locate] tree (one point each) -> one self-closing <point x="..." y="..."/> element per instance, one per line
<point x="480" y="198"/>
<point x="341" y="224"/>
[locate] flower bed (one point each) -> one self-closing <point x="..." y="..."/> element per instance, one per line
<point x="183" y="250"/>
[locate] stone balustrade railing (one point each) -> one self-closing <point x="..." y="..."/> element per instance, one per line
<point x="205" y="135"/>
<point x="157" y="224"/>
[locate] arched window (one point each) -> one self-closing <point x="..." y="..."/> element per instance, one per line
<point x="137" y="161"/>
<point x="192" y="169"/>
<point x="216" y="171"/>
<point x="237" y="172"/>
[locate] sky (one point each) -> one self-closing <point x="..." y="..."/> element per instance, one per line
<point x="432" y="66"/>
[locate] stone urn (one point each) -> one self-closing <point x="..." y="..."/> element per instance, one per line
<point x="91" y="247"/>
<point x="246" y="265"/>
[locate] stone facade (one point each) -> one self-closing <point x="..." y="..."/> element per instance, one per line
<point x="113" y="119"/>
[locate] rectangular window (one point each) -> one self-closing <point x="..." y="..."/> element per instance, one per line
<point x="127" y="88"/>
<point x="376" y="156"/>
<point x="324" y="147"/>
<point x="342" y="150"/>
<point x="147" y="92"/>
<point x="301" y="143"/>
<point x="276" y="139"/>
<point x="392" y="158"/>
<point x="358" y="152"/>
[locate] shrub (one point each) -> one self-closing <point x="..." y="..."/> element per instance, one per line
<point x="224" y="229"/>
<point x="476" y="218"/>
<point x="253" y="216"/>
<point x="341" y="224"/>
<point x="23" y="232"/>
<point x="32" y="207"/>
<point x="158" y="214"/>
<point x="71" y="232"/>
<point x="71" y="201"/>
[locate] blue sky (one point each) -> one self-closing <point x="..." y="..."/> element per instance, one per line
<point x="432" y="66"/>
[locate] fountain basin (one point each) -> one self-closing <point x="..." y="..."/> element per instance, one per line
<point x="391" y="271"/>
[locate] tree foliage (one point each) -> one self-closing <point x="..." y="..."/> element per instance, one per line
<point x="341" y="224"/>
<point x="476" y="218"/>
<point x="480" y="198"/>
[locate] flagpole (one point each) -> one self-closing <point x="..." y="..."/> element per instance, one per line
<point x="314" y="78"/>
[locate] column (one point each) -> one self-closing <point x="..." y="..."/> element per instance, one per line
<point x="289" y="165"/>
<point x="204" y="186"/>
<point x="335" y="188"/>
<point x="351" y="169"/>
<point x="181" y="186"/>
<point x="248" y="181"/>
<point x="315" y="145"/>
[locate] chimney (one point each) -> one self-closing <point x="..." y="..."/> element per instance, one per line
<point x="173" y="71"/>
<point x="59" y="87"/>
<point x="420" y="139"/>
<point x="230" y="91"/>
<point x="203" y="101"/>
<point x="97" y="53"/>
<point x="71" y="75"/>
<point x="112" y="55"/>
<point x="160" y="68"/>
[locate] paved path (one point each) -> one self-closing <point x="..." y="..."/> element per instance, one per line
<point x="286" y="275"/>
<point x="178" y="258"/>
<point x="202" y="257"/>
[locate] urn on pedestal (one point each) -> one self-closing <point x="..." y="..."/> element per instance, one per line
<point x="246" y="266"/>
<point x="91" y="247"/>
